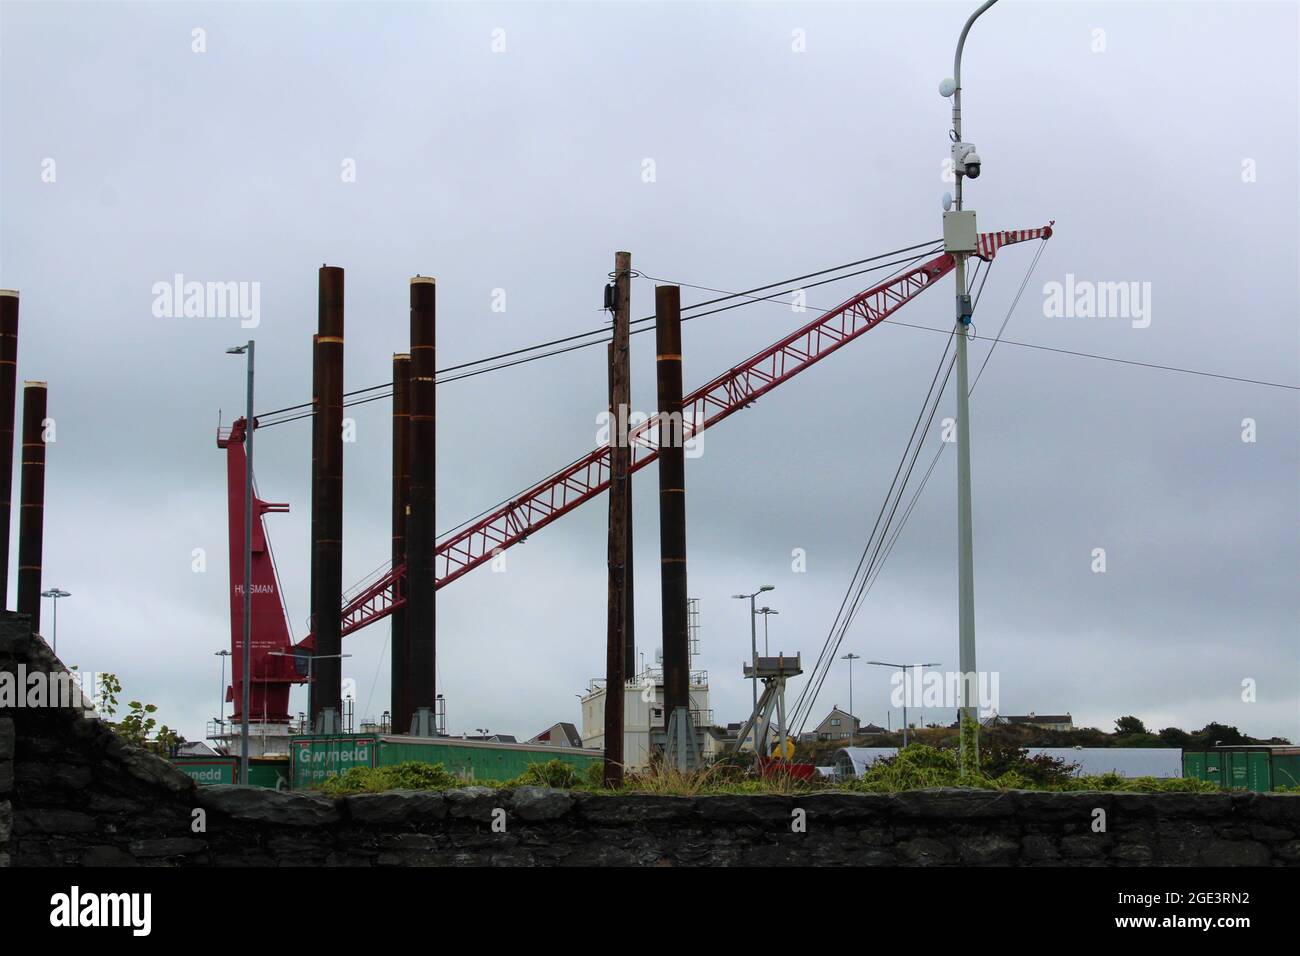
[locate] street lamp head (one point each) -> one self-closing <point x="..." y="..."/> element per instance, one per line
<point x="766" y="587"/>
<point x="56" y="593"/>
<point x="237" y="350"/>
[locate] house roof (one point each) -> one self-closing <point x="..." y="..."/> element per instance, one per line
<point x="565" y="731"/>
<point x="836" y="711"/>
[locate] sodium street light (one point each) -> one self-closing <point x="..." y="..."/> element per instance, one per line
<point x="55" y="594"/>
<point x="904" y="668"/>
<point x="221" y="710"/>
<point x="753" y="644"/>
<point x="850" y="657"/>
<point x="248" y="563"/>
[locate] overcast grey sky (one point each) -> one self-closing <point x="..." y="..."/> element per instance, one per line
<point x="1163" y="146"/>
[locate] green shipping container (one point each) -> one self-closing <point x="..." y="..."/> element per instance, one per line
<point x="269" y="772"/>
<point x="1259" y="769"/>
<point x="1286" y="770"/>
<point x="207" y="771"/>
<point x="315" y="758"/>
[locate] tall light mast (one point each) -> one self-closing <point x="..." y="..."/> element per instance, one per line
<point x="961" y="238"/>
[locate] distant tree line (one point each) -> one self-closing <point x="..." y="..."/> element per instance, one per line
<point x="1129" y="731"/>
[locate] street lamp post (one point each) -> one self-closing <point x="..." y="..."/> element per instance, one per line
<point x="54" y="594"/>
<point x="850" y="657"/>
<point x="766" y="612"/>
<point x="221" y="710"/>
<point x="249" y="427"/>
<point x="904" y="668"/>
<point x="753" y="645"/>
<point x="965" y="164"/>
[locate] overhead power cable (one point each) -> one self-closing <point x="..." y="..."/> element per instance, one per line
<point x="807" y="698"/>
<point x="487" y="511"/>
<point x="604" y="332"/>
<point x="1049" y="348"/>
<point x="883" y="535"/>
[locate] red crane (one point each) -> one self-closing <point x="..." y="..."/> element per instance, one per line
<point x="566" y="489"/>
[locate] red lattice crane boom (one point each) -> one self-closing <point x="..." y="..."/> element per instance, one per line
<point x="580" y="481"/>
<point x="529" y="512"/>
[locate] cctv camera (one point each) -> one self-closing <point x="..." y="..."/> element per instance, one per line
<point x="965" y="161"/>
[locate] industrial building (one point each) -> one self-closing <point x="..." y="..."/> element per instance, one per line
<point x="643" y="716"/>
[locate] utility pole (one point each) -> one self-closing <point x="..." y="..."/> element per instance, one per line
<point x="619" y="654"/>
<point x="960" y="239"/>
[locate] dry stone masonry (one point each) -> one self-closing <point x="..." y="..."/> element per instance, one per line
<point x="72" y="793"/>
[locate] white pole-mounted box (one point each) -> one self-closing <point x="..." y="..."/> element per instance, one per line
<point x="959" y="232"/>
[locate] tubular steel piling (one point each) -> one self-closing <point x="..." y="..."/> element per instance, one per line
<point x="31" y="516"/>
<point x="421" y="534"/>
<point x="8" y="400"/>
<point x="327" y="505"/>
<point x="672" y="499"/>
<point x="400" y="705"/>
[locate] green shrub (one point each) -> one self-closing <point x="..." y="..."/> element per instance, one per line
<point x="553" y="773"/>
<point x="409" y="775"/>
<point x="594" y="775"/>
<point x="912" y="768"/>
<point x="1113" y="781"/>
<point x="919" y="766"/>
<point x="999" y="757"/>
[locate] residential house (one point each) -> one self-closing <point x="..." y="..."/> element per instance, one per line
<point x="1041" y="721"/>
<point x="837" y="725"/>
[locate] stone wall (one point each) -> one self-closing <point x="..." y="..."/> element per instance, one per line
<point x="73" y="793"/>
